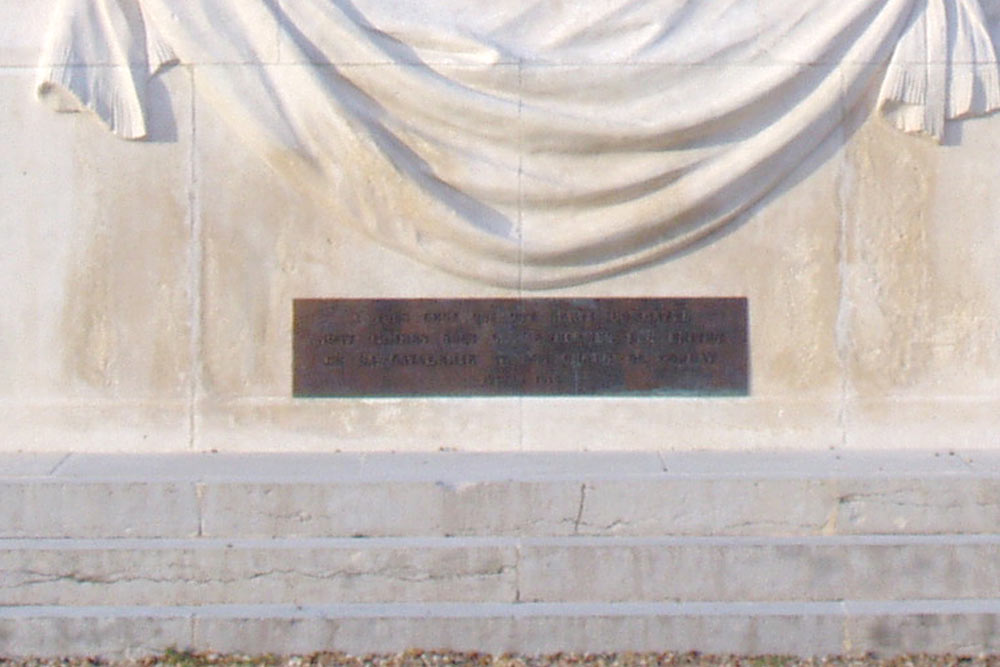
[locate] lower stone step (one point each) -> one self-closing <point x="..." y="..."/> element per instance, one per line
<point x="804" y="629"/>
<point x="500" y="570"/>
<point x="524" y="553"/>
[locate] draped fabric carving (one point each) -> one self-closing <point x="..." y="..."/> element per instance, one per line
<point x="531" y="143"/>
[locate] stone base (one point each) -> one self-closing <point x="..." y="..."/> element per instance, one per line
<point x="806" y="554"/>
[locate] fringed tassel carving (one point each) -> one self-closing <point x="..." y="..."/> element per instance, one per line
<point x="944" y="67"/>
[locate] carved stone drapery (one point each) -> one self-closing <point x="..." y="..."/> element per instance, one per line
<point x="531" y="143"/>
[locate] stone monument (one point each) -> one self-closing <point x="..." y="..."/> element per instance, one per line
<point x="830" y="165"/>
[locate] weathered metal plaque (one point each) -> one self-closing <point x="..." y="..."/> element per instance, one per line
<point x="494" y="347"/>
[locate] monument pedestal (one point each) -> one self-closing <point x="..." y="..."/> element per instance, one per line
<point x="788" y="553"/>
<point x="649" y="150"/>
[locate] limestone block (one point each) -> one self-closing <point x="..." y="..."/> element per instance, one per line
<point x="917" y="506"/>
<point x="919" y="310"/>
<point x="751" y="629"/>
<point x="108" y="632"/>
<point x="545" y="630"/>
<point x="750" y="569"/>
<point x="954" y="628"/>
<point x="97" y="351"/>
<point x="392" y="509"/>
<point x="919" y="262"/>
<point x="715" y="506"/>
<point x="357" y="636"/>
<point x="171" y="572"/>
<point x="749" y="506"/>
<point x="98" y="509"/>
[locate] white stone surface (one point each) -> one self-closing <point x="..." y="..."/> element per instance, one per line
<point x="755" y="569"/>
<point x="783" y="552"/>
<point x="96" y="331"/>
<point x="108" y="509"/>
<point x="807" y="629"/>
<point x="168" y="572"/>
<point x="54" y="632"/>
<point x="531" y="146"/>
<point x="547" y="630"/>
<point x="452" y="494"/>
<point x="396" y="508"/>
<point x="148" y="289"/>
<point x="195" y="572"/>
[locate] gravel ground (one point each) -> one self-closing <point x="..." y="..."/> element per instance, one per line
<point x="438" y="659"/>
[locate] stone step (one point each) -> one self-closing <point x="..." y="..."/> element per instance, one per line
<point x="450" y="494"/>
<point x="720" y="552"/>
<point x="805" y="628"/>
<point x="500" y="570"/>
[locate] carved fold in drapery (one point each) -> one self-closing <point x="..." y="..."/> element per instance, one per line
<point x="531" y="144"/>
<point x="103" y="55"/>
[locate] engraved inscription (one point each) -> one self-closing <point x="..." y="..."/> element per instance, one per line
<point x="455" y="347"/>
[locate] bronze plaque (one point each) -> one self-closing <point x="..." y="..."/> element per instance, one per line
<point x="503" y="347"/>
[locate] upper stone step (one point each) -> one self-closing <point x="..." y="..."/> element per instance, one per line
<point x="451" y="494"/>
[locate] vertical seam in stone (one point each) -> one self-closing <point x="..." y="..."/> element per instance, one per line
<point x="843" y="306"/>
<point x="520" y="226"/>
<point x="832" y="524"/>
<point x="520" y="175"/>
<point x="199" y="496"/>
<point x="517" y="571"/>
<point x="579" y="509"/>
<point x="195" y="269"/>
<point x="847" y="646"/>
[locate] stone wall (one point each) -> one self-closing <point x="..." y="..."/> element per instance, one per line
<point x="148" y="288"/>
